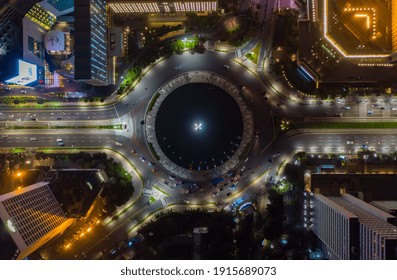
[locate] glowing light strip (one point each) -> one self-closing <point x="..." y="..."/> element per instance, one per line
<point x="307" y="73"/>
<point x="376" y="64"/>
<point x="366" y="17"/>
<point x="394" y="25"/>
<point x="336" y="45"/>
<point x="167" y="6"/>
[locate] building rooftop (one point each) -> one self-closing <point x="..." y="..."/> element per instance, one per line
<point x="359" y="29"/>
<point x="30" y="213"/>
<point x="371" y="186"/>
<point x="61" y="5"/>
<point x="366" y="215"/>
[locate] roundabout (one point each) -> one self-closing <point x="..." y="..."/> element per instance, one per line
<point x="199" y="126"/>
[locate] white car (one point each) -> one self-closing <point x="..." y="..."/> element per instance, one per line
<point x="33" y="139"/>
<point x="394" y="109"/>
<point x="119" y="144"/>
<point x="350" y="142"/>
<point x="226" y="66"/>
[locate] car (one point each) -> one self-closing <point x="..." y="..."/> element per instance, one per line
<point x="59" y="140"/>
<point x="370" y="112"/>
<point x="119" y="144"/>
<point x="58" y="119"/>
<point x="142" y="122"/>
<point x="34" y="119"/>
<point x="226" y="66"/>
<point x="394" y="109"/>
<point x="257" y="134"/>
<point x="271" y="179"/>
<point x="172" y="177"/>
<point x="23" y="91"/>
<point x="177" y="68"/>
<point x="350" y="142"/>
<point x="151" y="163"/>
<point x="364" y="147"/>
<point x="229" y="194"/>
<point x="375" y="105"/>
<point x="215" y="194"/>
<point x="242" y="168"/>
<point x="134" y="152"/>
<point x="33" y="139"/>
<point x="143" y="159"/>
<point x="60" y="143"/>
<point x="154" y="170"/>
<point x="347" y="107"/>
<point x="270" y="160"/>
<point x="246" y="159"/>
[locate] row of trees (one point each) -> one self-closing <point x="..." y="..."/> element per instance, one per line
<point x="171" y="224"/>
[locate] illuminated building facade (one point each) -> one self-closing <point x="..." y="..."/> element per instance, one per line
<point x="11" y="13"/>
<point x="91" y="53"/>
<point x="350" y="228"/>
<point x="161" y="6"/>
<point x="42" y="17"/>
<point x="32" y="216"/>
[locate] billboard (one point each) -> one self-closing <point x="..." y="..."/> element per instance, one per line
<point x="27" y="74"/>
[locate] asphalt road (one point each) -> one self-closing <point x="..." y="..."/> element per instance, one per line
<point x="132" y="109"/>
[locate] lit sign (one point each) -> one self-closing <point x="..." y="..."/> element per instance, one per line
<point x="10" y="226"/>
<point x="27" y="74"/>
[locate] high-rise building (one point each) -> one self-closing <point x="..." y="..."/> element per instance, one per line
<point x="200" y="243"/>
<point x="350" y="228"/>
<point x="11" y="14"/>
<point x="91" y="52"/>
<point x="33" y="216"/>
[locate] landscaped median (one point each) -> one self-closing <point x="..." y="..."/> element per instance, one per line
<point x="345" y="125"/>
<point x="254" y="53"/>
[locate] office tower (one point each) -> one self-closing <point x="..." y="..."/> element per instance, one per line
<point x="350" y="228"/>
<point x="91" y="53"/>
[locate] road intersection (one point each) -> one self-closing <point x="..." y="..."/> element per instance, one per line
<point x="128" y="144"/>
